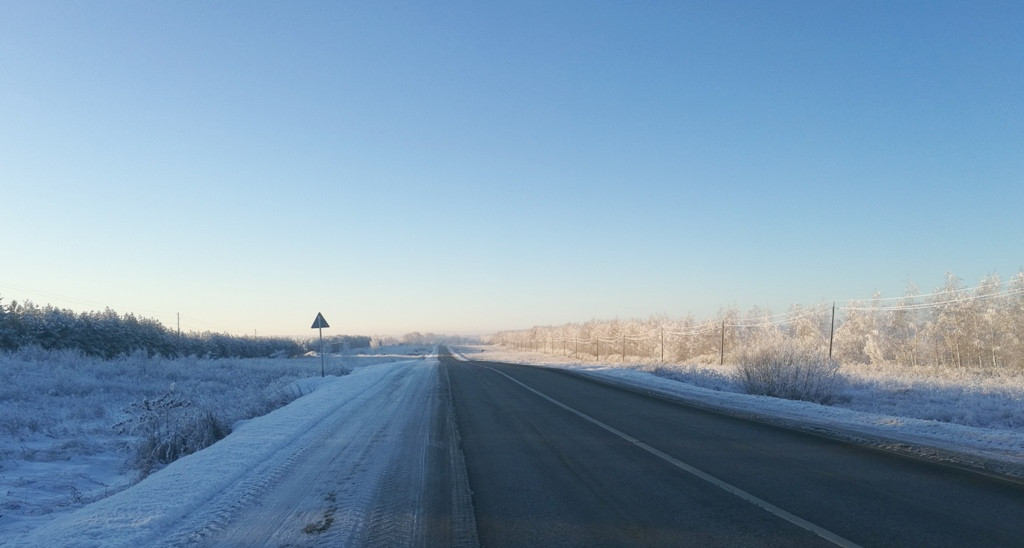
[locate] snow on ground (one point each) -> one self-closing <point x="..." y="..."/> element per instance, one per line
<point x="970" y="419"/>
<point x="327" y="456"/>
<point x="323" y="458"/>
<point x="59" y="450"/>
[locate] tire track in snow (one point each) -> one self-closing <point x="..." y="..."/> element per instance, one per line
<point x="425" y="498"/>
<point x="328" y="498"/>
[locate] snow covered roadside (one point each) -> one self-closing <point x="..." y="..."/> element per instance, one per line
<point x="305" y="473"/>
<point x="60" y="448"/>
<point x="993" y="449"/>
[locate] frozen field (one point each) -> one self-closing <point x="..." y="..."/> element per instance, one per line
<point x="323" y="470"/>
<point x="59" y="445"/>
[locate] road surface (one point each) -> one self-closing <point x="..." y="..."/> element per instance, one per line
<point x="554" y="458"/>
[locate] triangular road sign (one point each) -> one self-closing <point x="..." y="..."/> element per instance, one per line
<point x="319" y="322"/>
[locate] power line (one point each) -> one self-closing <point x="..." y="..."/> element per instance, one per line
<point x="934" y="304"/>
<point x="933" y="294"/>
<point x="959" y="296"/>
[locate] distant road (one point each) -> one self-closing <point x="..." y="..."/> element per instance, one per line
<point x="555" y="459"/>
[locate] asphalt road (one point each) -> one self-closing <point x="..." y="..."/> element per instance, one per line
<point x="555" y="459"/>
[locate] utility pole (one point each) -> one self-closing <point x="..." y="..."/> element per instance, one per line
<point x="832" y="332"/>
<point x="722" y="360"/>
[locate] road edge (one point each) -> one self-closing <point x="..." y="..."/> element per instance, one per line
<point x="454" y="519"/>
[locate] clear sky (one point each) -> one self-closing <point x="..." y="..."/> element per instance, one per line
<point x="476" y="166"/>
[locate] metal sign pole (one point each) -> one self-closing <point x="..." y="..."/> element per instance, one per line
<point x="320" y="323"/>
<point x="321" y="352"/>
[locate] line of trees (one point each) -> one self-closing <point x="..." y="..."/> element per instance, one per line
<point x="955" y="326"/>
<point x="339" y="343"/>
<point x="108" y="335"/>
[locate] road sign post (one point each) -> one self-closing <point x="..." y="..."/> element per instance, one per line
<point x="320" y="323"/>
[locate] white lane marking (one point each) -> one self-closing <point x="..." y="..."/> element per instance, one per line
<point x="761" y="503"/>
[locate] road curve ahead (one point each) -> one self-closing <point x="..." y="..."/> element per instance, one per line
<point x="555" y="459"/>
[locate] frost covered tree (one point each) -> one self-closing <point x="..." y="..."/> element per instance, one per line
<point x="953" y="324"/>
<point x="5" y="331"/>
<point x="953" y="327"/>
<point x="851" y="341"/>
<point x="1013" y="322"/>
<point x="109" y="335"/>
<point x="903" y="328"/>
<point x="987" y="331"/>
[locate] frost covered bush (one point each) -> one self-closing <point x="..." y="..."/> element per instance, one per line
<point x="790" y="370"/>
<point x="705" y="377"/>
<point x="168" y="428"/>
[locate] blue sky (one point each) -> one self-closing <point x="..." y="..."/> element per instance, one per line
<point x="470" y="167"/>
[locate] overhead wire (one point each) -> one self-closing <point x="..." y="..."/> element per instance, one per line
<point x="933" y="304"/>
<point x="957" y="296"/>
